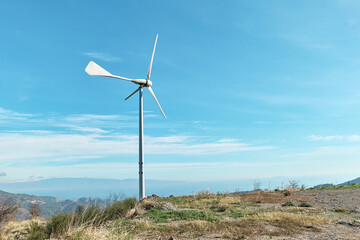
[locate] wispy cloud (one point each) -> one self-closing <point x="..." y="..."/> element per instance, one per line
<point x="102" y="56"/>
<point x="11" y="115"/>
<point x="89" y="129"/>
<point x="2" y="174"/>
<point x="97" y="117"/>
<point x="299" y="100"/>
<point x="71" y="138"/>
<point x="35" y="147"/>
<point x="351" y="138"/>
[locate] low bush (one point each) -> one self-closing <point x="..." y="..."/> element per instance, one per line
<point x="58" y="224"/>
<point x="92" y="215"/>
<point x="8" y="210"/>
<point x="36" y="232"/>
<point x="287" y="204"/>
<point x="286" y="193"/>
<point x="341" y="210"/>
<point x="305" y="205"/>
<point x="118" y="209"/>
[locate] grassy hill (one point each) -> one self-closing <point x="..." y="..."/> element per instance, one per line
<point x="281" y="214"/>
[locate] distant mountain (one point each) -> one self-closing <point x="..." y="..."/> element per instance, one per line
<point x="356" y="180"/>
<point x="324" y="185"/>
<point x="47" y="205"/>
<point x="75" y="188"/>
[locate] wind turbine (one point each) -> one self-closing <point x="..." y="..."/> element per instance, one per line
<point x="95" y="70"/>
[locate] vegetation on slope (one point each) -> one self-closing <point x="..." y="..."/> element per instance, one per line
<point x="278" y="213"/>
<point x="223" y="215"/>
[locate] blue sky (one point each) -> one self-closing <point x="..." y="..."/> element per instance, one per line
<point x="251" y="89"/>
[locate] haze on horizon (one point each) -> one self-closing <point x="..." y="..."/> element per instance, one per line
<point x="251" y="89"/>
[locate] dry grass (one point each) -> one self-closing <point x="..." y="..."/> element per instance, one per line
<point x="17" y="230"/>
<point x="300" y="219"/>
<point x="270" y="197"/>
<point x="265" y="224"/>
<point x="14" y="228"/>
<point x="104" y="232"/>
<point x="238" y="216"/>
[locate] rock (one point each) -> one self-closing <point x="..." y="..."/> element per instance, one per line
<point x="168" y="206"/>
<point x="155" y="196"/>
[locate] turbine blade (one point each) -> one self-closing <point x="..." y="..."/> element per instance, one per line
<point x="133" y="93"/>
<point x="153" y="94"/>
<point x="152" y="58"/>
<point x="95" y="70"/>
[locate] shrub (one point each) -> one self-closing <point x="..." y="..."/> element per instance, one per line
<point x="118" y="209"/>
<point x="293" y="184"/>
<point x="305" y="205"/>
<point x="286" y="193"/>
<point x="257" y="185"/>
<point x="91" y="214"/>
<point x="7" y="211"/>
<point x="148" y="204"/>
<point x="36" y="232"/>
<point x="34" y="211"/>
<point x="58" y="224"/>
<point x="340" y="210"/>
<point x="287" y="204"/>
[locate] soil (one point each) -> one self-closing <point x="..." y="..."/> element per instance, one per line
<point x="341" y="206"/>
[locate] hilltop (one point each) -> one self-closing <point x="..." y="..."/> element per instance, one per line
<point x="329" y="213"/>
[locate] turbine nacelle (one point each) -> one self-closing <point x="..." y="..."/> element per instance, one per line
<point x="142" y="82"/>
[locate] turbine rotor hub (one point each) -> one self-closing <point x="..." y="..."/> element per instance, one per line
<point x="148" y="83"/>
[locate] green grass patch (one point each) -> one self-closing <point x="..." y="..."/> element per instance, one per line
<point x="305" y="205"/>
<point x="237" y="214"/>
<point x="161" y="216"/>
<point x="341" y="210"/>
<point x="287" y="204"/>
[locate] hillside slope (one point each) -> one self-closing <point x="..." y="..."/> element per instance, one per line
<point x="47" y="205"/>
<point x="283" y="214"/>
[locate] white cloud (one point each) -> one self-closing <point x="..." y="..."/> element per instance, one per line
<point x="102" y="56"/>
<point x="89" y="129"/>
<point x="351" y="138"/>
<point x="227" y="140"/>
<point x="11" y="115"/>
<point x="52" y="146"/>
<point x="324" y="138"/>
<point x="97" y="117"/>
<point x="81" y="137"/>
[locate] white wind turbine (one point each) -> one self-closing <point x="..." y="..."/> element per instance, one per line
<point x="95" y="70"/>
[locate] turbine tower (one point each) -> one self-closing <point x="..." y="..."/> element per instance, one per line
<point x="95" y="70"/>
